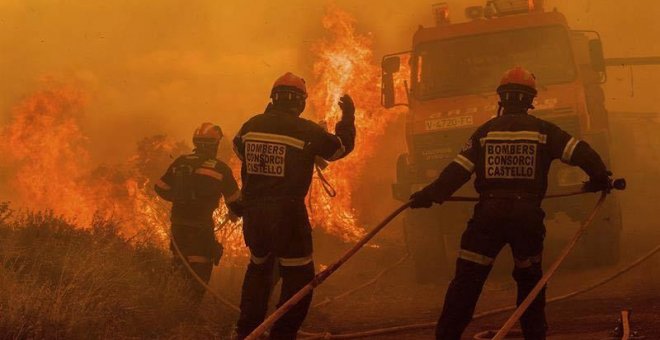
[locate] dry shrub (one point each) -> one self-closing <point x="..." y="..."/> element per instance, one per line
<point x="59" y="281"/>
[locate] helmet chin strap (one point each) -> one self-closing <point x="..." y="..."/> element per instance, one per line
<point x="293" y="108"/>
<point x="509" y="109"/>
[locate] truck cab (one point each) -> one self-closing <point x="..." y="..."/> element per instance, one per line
<point x="454" y="71"/>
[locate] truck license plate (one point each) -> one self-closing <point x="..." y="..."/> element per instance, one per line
<point x="448" y="123"/>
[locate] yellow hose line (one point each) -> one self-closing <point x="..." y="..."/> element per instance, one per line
<point x="501" y="334"/>
<point x="427" y="325"/>
<point x="199" y="280"/>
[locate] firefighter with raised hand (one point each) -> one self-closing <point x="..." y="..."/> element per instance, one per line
<point x="511" y="156"/>
<point x="194" y="184"/>
<point x="278" y="150"/>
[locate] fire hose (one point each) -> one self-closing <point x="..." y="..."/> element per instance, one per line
<point x="199" y="280"/>
<point x="432" y="324"/>
<point x="323" y="275"/>
<point x="548" y="274"/>
<point x="427" y="325"/>
<point x="331" y="269"/>
<point x="420" y="326"/>
<point x="371" y="281"/>
<point x="327" y="187"/>
<point x="363" y="285"/>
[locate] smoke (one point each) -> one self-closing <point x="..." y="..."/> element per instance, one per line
<point x="627" y="29"/>
<point x="152" y="66"/>
<point x="165" y="66"/>
<point x="162" y="67"/>
<point x="155" y="67"/>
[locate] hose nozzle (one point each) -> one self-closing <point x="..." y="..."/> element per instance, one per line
<point x="619" y="184"/>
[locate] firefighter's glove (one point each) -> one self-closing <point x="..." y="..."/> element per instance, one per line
<point x="236" y="210"/>
<point x="347" y="108"/>
<point x="600" y="183"/>
<point x="421" y="199"/>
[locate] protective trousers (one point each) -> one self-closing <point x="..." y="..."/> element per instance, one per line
<point x="199" y="248"/>
<point x="278" y="234"/>
<point x="497" y="222"/>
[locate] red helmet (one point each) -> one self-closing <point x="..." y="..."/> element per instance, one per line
<point x="518" y="79"/>
<point x="207" y="134"/>
<point x="518" y="86"/>
<point x="289" y="85"/>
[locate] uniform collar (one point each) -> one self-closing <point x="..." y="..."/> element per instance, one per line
<point x="515" y="111"/>
<point x="278" y="111"/>
<point x="203" y="155"/>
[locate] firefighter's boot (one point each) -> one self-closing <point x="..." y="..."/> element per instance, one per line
<point x="461" y="299"/>
<point x="294" y="278"/>
<point x="256" y="291"/>
<point x="533" y="321"/>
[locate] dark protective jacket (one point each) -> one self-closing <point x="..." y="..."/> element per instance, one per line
<point x="511" y="154"/>
<point x="278" y="150"/>
<point x="194" y="184"/>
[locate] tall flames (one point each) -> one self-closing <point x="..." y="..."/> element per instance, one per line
<point x="345" y="64"/>
<point x="48" y="162"/>
<point x="50" y="167"/>
<point x="46" y="149"/>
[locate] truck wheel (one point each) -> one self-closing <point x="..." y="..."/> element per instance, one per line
<point x="402" y="170"/>
<point x="401" y="188"/>
<point x="426" y="247"/>
<point x="433" y="238"/>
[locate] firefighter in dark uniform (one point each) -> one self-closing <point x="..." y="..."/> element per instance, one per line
<point x="278" y="150"/>
<point x="194" y="184"/>
<point x="511" y="156"/>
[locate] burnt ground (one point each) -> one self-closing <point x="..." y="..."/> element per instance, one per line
<point x="395" y="299"/>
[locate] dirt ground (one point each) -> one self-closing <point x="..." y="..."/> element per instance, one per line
<point x="392" y="302"/>
<point x="395" y="299"/>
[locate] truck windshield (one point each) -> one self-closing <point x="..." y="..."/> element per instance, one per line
<point x="475" y="64"/>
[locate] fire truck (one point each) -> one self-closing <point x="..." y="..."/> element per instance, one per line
<point x="454" y="70"/>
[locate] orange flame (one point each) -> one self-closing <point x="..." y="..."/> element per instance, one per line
<point x="46" y="148"/>
<point x="345" y="64"/>
<point x="50" y="168"/>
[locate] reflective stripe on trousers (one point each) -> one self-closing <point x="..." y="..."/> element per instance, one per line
<point x="528" y="262"/>
<point x="475" y="257"/>
<point x="283" y="261"/>
<point x="198" y="259"/>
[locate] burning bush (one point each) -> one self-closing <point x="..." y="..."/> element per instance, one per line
<point x="48" y="163"/>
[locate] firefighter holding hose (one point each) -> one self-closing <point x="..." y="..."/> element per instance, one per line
<point x="511" y="156"/>
<point x="278" y="150"/>
<point x="194" y="184"/>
